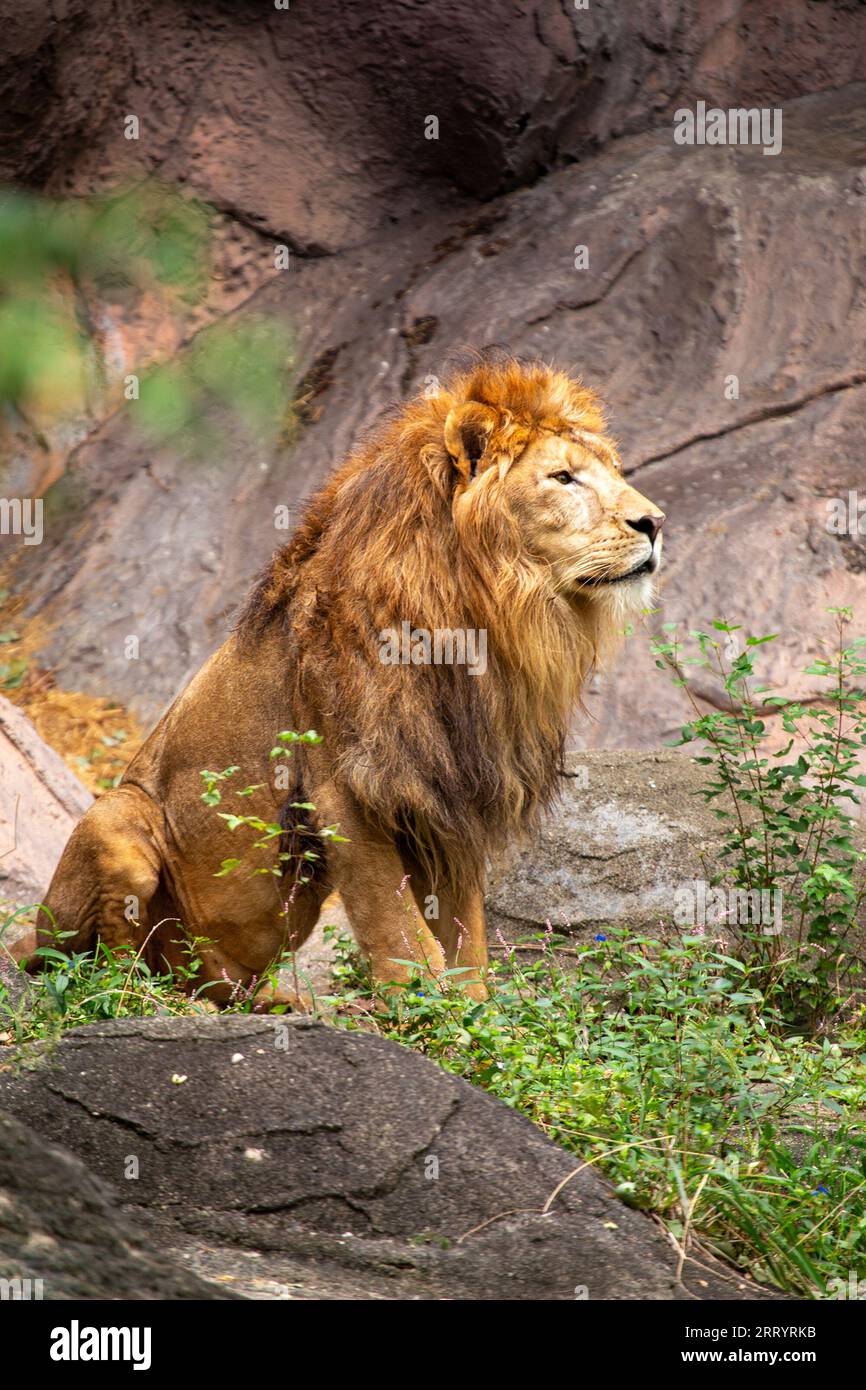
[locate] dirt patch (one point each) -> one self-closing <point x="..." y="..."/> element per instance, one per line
<point x="95" y="736"/>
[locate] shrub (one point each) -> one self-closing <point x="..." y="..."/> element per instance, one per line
<point x="789" y="829"/>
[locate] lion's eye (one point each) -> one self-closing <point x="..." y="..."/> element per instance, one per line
<point x="563" y="477"/>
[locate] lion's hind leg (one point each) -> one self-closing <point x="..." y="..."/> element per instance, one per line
<point x="107" y="875"/>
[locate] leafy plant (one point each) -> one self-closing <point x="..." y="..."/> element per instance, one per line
<point x="285" y="844"/>
<point x="143" y="238"/>
<point x="291" y="849"/>
<point x="85" y="987"/>
<point x="12" y="673"/>
<point x="238" y="366"/>
<point x="788" y="827"/>
<point x="55" y="254"/>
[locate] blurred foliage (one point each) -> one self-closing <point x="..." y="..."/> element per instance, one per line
<point x="59" y="256"/>
<point x="137" y="237"/>
<point x="240" y="366"/>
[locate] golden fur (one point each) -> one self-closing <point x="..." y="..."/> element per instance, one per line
<point x="496" y="506"/>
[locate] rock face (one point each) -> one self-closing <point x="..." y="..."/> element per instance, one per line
<point x="40" y="801"/>
<point x="62" y="1235"/>
<point x="720" y="312"/>
<point x="311" y="124"/>
<point x="355" y="1166"/>
<point x="627" y="829"/>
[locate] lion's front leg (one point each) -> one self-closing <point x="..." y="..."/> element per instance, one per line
<point x="456" y="918"/>
<point x="462" y="930"/>
<point x="372" y="881"/>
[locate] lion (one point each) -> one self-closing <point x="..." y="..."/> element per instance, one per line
<point x="491" y="519"/>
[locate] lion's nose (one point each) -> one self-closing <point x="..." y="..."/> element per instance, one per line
<point x="648" y="525"/>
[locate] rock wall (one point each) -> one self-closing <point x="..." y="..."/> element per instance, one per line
<point x="40" y="801"/>
<point x="306" y="128"/>
<point x="628" y="832"/>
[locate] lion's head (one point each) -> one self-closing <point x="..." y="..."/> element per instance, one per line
<point x="563" y="489"/>
<point x="495" y="505"/>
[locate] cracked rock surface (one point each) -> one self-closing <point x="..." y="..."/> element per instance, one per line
<point x="290" y="1159"/>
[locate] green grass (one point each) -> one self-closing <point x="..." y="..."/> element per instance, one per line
<point x="78" y="989"/>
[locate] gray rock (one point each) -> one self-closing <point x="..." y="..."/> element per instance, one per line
<point x="40" y="801"/>
<point x="61" y="1226"/>
<point x="630" y="828"/>
<point x="16" y="988"/>
<point x="315" y="1148"/>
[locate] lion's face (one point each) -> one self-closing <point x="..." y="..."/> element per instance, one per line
<point x="578" y="515"/>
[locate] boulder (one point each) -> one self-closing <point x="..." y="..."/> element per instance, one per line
<point x="628" y="830"/>
<point x="40" y="801"/>
<point x="62" y="1235"/>
<point x="345" y="1164"/>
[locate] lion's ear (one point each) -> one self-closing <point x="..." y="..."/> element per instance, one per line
<point x="467" y="433"/>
